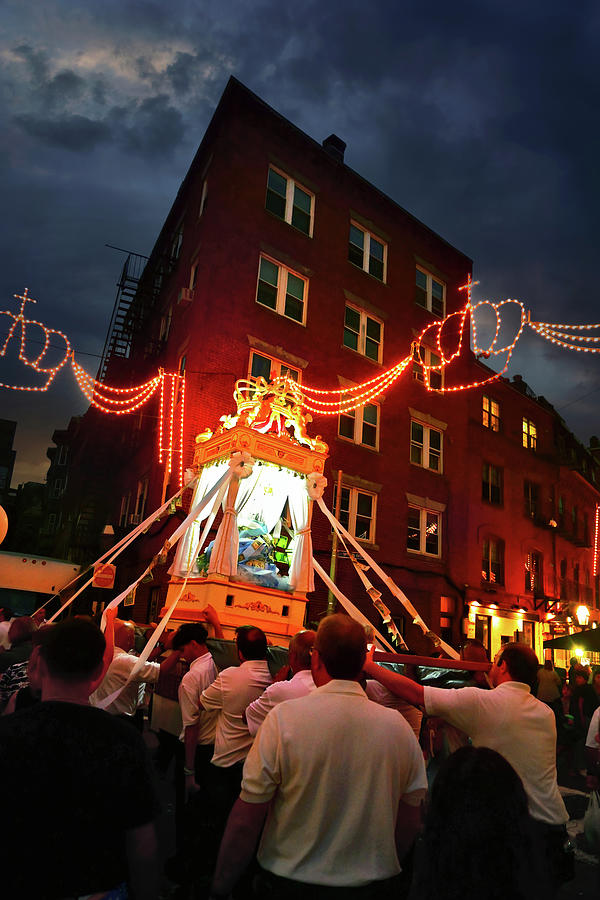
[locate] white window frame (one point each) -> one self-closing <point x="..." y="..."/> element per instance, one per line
<point x="282" y="289"/>
<point x="291" y="185"/>
<point x="429" y="298"/>
<point x="423" y="513"/>
<point x="354" y="493"/>
<point x="357" y="415"/>
<point x="58" y="488"/>
<point x="493" y="418"/>
<point x="368" y="235"/>
<point x="276" y="366"/>
<point x="362" y="333"/>
<point x="203" y="198"/>
<point x="529" y="434"/>
<point x="425" y="447"/>
<point x="176" y="243"/>
<point x="425" y="354"/>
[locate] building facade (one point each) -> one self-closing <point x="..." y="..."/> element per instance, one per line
<point x="278" y="259"/>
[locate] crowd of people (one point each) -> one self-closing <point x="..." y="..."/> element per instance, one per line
<point x="331" y="777"/>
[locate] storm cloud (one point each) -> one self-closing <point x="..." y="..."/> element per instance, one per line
<point x="479" y="118"/>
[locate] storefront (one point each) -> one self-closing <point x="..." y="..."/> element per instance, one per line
<point x="495" y="626"/>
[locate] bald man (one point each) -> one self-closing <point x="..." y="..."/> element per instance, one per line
<point x="132" y="695"/>
<point x="300" y="684"/>
<point x="339" y="781"/>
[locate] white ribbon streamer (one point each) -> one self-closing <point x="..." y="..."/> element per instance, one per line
<point x="393" y="587"/>
<point x="350" y="608"/>
<point x="219" y="488"/>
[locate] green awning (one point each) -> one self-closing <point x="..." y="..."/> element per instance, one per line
<point x="585" y="640"/>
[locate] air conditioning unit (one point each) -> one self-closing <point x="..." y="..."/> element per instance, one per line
<point x="186" y="295"/>
<point x="134" y="519"/>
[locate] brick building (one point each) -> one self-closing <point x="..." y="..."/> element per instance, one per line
<point x="277" y="258"/>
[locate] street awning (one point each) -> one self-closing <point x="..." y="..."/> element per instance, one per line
<point x="585" y="640"/>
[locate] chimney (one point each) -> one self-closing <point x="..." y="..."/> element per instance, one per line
<point x="335" y="146"/>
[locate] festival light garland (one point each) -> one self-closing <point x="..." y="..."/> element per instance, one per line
<point x="34" y="364"/>
<point x="595" y="564"/>
<point x="122" y="401"/>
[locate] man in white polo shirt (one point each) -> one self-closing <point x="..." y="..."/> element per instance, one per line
<point x="300" y="684"/>
<point x="339" y="780"/>
<point x="230" y="693"/>
<point x="510" y="720"/>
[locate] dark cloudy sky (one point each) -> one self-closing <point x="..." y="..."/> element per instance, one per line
<point x="480" y="118"/>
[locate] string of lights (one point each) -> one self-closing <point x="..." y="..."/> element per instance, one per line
<point x="328" y="402"/>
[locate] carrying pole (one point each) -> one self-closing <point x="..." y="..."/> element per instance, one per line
<point x="334" y="544"/>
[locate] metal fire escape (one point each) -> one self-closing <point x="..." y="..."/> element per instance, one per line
<point x="128" y="312"/>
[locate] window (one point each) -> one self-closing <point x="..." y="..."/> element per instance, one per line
<point x="492" y="561"/>
<point x="140" y="502"/>
<point x="176" y="244"/>
<point x="58" y="486"/>
<point x="201" y="208"/>
<point x="270" y="368"/>
<point x="424" y="357"/>
<point x="124" y="510"/>
<point x="193" y="276"/>
<point x="529" y="434"/>
<point x="491" y="483"/>
<point x="491" y="414"/>
<point x="63" y="453"/>
<point x="361" y="425"/>
<point x="288" y="201"/>
<point x="367" y="252"/>
<point x="533" y="572"/>
<point x="430" y="293"/>
<point x="561" y="511"/>
<point x="425" y="446"/>
<point x="531" y="498"/>
<point x="363" y="333"/>
<point x="281" y="290"/>
<point x="51" y="523"/>
<point x="357" y="512"/>
<point x="165" y="324"/>
<point x="424" y="526"/>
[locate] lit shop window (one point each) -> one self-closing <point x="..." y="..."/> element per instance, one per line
<point x="529" y="434"/>
<point x="367" y="252"/>
<point x="430" y="293"/>
<point x="490" y="414"/>
<point x="361" y="425"/>
<point x="357" y="512"/>
<point x="363" y="333"/>
<point x="424" y="531"/>
<point x="281" y="290"/>
<point x="289" y="202"/>
<point x="425" y="446"/>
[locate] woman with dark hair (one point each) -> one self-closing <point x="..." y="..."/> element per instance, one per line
<point x="478" y="839"/>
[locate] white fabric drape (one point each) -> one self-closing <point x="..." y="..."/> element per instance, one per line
<point x="224" y="556"/>
<point x="223" y="559"/>
<point x="301" y="569"/>
<point x="266" y="500"/>
<point x="207" y="478"/>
